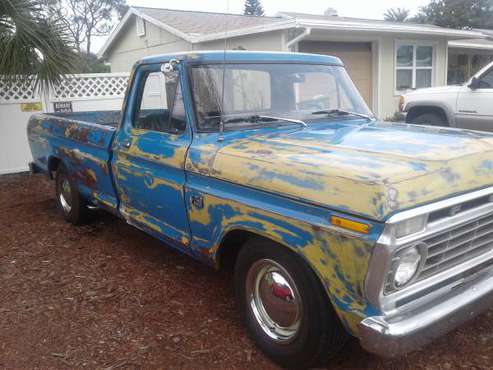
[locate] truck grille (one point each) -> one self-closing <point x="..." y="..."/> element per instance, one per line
<point x="457" y="245"/>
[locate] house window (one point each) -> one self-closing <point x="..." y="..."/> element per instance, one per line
<point x="413" y="66"/>
<point x="141" y="26"/>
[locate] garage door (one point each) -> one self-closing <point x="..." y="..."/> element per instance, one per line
<point x="356" y="57"/>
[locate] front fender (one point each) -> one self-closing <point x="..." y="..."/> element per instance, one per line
<point x="339" y="260"/>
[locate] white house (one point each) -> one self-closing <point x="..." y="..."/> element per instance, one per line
<point x="383" y="58"/>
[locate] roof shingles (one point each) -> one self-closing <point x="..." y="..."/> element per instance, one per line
<point x="194" y="23"/>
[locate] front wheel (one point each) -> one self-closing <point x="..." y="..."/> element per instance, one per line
<point x="69" y="201"/>
<point x="284" y="306"/>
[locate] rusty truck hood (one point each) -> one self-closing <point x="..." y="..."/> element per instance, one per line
<point x="372" y="169"/>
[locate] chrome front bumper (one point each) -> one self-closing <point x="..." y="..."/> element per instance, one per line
<point x="391" y="336"/>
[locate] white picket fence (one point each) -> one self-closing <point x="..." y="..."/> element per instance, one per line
<point x="19" y="100"/>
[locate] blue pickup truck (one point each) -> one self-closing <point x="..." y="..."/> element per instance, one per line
<point x="336" y="224"/>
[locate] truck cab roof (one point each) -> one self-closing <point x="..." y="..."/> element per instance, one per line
<point x="243" y="56"/>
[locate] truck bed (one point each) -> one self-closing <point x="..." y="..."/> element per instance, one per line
<point x="82" y="140"/>
<point x="104" y="118"/>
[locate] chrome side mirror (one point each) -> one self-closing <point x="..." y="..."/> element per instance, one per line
<point x="170" y="66"/>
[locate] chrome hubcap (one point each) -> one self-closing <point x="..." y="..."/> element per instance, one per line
<point x="274" y="300"/>
<point x="66" y="196"/>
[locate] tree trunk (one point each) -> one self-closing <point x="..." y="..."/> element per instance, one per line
<point x="88" y="45"/>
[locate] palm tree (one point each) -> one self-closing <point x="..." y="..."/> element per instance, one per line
<point x="33" y="44"/>
<point x="396" y="15"/>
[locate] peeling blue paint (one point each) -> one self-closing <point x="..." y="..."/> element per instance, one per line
<point x="283" y="183"/>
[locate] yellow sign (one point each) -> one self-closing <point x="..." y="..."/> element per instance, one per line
<point x="31" y="107"/>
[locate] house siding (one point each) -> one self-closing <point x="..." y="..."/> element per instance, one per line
<point x="267" y="41"/>
<point x="129" y="47"/>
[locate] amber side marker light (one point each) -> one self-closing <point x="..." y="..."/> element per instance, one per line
<point x="344" y="223"/>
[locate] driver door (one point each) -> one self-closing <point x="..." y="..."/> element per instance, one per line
<point x="149" y="155"/>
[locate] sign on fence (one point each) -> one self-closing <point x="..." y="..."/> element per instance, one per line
<point x="31" y="107"/>
<point x="63" y="106"/>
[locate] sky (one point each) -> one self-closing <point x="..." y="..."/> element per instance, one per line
<point x="373" y="9"/>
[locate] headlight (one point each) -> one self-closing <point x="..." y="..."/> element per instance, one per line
<point x="407" y="266"/>
<point x="410" y="226"/>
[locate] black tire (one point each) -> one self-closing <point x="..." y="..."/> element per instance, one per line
<point x="77" y="212"/>
<point x="319" y="334"/>
<point x="430" y="118"/>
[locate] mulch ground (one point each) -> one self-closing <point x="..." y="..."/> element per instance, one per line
<point x="107" y="296"/>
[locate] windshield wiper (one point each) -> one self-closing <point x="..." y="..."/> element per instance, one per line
<point x="343" y="113"/>
<point x="255" y="118"/>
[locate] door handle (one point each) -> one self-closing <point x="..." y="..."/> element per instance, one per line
<point x="197" y="201"/>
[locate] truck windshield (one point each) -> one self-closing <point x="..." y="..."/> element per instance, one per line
<point x="289" y="91"/>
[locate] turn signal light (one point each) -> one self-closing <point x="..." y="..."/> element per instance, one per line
<point x="347" y="224"/>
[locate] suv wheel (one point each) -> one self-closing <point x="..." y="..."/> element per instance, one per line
<point x="430" y="118"/>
